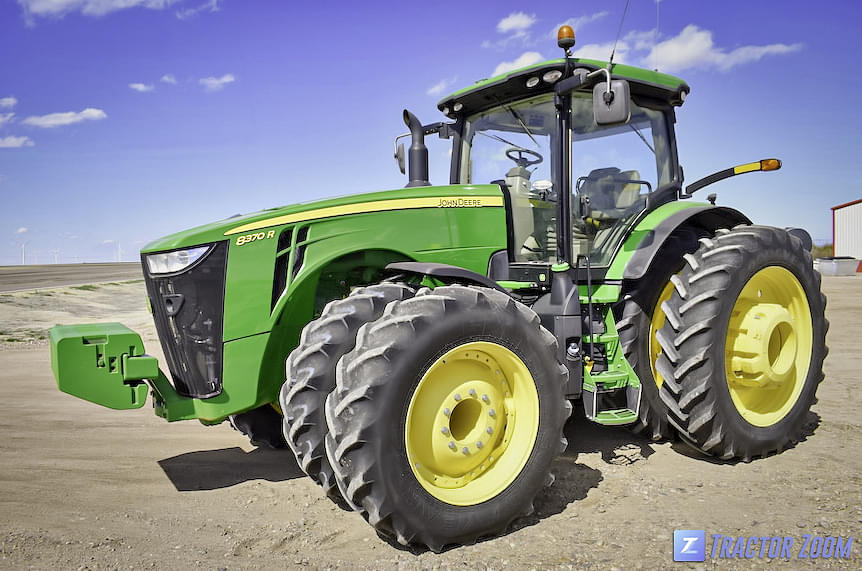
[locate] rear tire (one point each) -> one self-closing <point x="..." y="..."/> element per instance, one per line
<point x="744" y="343"/>
<point x="446" y="416"/>
<point x="640" y="318"/>
<point x="310" y="373"/>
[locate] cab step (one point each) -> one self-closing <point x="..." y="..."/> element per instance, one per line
<point x="612" y="407"/>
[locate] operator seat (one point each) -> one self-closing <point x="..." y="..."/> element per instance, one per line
<point x="610" y="196"/>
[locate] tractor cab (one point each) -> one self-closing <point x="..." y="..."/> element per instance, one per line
<point x="582" y="150"/>
<point x="610" y="173"/>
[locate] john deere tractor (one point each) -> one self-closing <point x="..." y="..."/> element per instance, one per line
<point x="419" y="350"/>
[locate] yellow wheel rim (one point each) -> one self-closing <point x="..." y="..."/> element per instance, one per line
<point x="657" y="322"/>
<point x="472" y="423"/>
<point x="768" y="346"/>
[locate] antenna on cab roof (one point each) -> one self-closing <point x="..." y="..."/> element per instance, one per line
<point x="619" y="30"/>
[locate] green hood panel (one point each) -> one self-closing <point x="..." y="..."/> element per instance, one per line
<point x="354" y="204"/>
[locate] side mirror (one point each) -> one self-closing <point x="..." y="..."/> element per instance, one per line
<point x="399" y="157"/>
<point x="612" y="106"/>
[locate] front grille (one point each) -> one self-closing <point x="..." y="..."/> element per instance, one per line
<point x="188" y="308"/>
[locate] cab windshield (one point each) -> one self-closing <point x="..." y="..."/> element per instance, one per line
<point x="613" y="170"/>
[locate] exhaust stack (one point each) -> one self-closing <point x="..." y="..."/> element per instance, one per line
<point x="418" y="153"/>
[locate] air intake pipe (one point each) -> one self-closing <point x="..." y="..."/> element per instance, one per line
<point x="418" y="154"/>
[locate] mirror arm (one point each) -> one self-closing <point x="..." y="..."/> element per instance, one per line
<point x="565" y="86"/>
<point x="395" y="143"/>
<point x="598" y="72"/>
<point x="443" y="130"/>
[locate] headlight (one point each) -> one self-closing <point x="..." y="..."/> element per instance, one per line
<point x="172" y="262"/>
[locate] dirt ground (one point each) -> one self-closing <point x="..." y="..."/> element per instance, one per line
<point x="83" y="487"/>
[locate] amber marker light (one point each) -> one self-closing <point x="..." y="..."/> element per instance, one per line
<point x="770" y="164"/>
<point x="565" y="37"/>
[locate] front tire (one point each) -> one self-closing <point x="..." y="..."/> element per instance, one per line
<point x="446" y="416"/>
<point x="744" y="343"/>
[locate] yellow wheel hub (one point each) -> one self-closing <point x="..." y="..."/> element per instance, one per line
<point x="656" y="323"/>
<point x="768" y="346"/>
<point x="472" y="423"/>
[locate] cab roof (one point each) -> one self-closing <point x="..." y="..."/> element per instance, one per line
<point x="513" y="85"/>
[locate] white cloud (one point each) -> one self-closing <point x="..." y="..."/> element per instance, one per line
<point x="603" y="51"/>
<point x="59" y="8"/>
<point x="6" y="117"/>
<point x="516" y="26"/>
<point x="694" y="48"/>
<point x="67" y="118"/>
<point x="168" y="78"/>
<point x="578" y="23"/>
<point x="216" y="83"/>
<point x="441" y="86"/>
<point x="641" y="40"/>
<point x="21" y="230"/>
<point x="208" y="6"/>
<point x="107" y="241"/>
<point x="516" y="22"/>
<point x="527" y="58"/>
<point x="8" y="102"/>
<point x="12" y="142"/>
<point x="141" y="87"/>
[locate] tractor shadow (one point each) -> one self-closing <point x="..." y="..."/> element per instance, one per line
<point x="616" y="444"/>
<point x="226" y="467"/>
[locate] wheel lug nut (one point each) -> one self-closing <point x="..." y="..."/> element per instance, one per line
<point x="472" y="392"/>
<point x="452" y="445"/>
<point x="466" y="451"/>
<point x="447" y="412"/>
<point x="485" y="399"/>
<point x="445" y="430"/>
<point x="479" y="444"/>
<point x="457" y="396"/>
<point x="489" y="430"/>
<point x="492" y="413"/>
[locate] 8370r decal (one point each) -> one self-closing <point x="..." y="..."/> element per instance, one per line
<point x="249" y="238"/>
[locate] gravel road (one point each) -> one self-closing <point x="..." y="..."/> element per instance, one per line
<point x="22" y="278"/>
<point x="83" y="487"/>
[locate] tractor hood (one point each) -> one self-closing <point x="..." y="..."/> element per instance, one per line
<point x="419" y="197"/>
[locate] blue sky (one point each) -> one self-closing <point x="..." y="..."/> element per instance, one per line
<point x="124" y="120"/>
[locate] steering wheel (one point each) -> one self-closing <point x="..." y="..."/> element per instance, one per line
<point x="521" y="160"/>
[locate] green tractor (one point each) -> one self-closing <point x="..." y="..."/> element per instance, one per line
<point x="419" y="349"/>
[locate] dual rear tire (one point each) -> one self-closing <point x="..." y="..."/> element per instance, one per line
<point x="727" y="336"/>
<point x="743" y="343"/>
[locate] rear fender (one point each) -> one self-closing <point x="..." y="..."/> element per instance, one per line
<point x="642" y="245"/>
